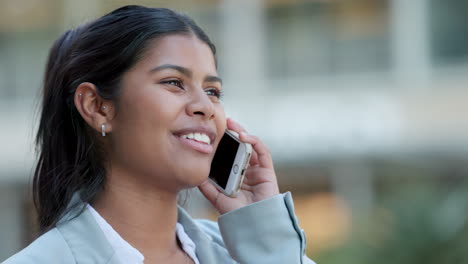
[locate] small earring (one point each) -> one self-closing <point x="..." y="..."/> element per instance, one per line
<point x="104" y="107"/>
<point x="103" y="130"/>
<point x="80" y="95"/>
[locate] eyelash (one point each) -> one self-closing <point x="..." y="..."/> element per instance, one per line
<point x="171" y="82"/>
<point x="216" y="93"/>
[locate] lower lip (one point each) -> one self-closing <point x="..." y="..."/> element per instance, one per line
<point x="198" y="146"/>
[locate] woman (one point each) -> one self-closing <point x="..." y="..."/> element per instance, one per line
<point x="119" y="95"/>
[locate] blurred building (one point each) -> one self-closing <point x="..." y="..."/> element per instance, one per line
<point x="335" y="88"/>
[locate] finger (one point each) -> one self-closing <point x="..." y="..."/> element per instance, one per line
<point x="246" y="187"/>
<point x="253" y="158"/>
<point x="209" y="191"/>
<point x="254" y="176"/>
<point x="248" y="180"/>
<point x="234" y="126"/>
<point x="263" y="154"/>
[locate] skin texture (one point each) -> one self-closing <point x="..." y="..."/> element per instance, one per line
<point x="147" y="163"/>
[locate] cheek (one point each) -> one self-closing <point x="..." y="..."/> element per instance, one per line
<point x="220" y="119"/>
<point x="142" y="125"/>
<point x="221" y="124"/>
<point x="152" y="107"/>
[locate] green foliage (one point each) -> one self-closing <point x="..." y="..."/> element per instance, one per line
<point x="416" y="224"/>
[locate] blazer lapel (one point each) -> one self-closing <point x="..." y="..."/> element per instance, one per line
<point x="85" y="238"/>
<point x="206" y="249"/>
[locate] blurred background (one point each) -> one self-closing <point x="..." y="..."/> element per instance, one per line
<point x="363" y="104"/>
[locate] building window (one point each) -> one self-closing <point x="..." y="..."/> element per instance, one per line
<point x="449" y="31"/>
<point x="327" y="37"/>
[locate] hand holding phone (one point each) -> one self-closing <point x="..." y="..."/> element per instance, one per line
<point x="259" y="182"/>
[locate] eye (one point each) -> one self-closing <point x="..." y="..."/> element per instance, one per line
<point x="214" y="92"/>
<point x="174" y="82"/>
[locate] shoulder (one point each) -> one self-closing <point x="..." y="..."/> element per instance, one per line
<point x="51" y="247"/>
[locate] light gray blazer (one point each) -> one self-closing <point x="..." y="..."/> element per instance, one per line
<point x="263" y="232"/>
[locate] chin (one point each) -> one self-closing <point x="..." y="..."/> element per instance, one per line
<point x="194" y="177"/>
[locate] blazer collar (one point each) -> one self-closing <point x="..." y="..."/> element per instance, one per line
<point x="83" y="235"/>
<point x="207" y="250"/>
<point x="89" y="244"/>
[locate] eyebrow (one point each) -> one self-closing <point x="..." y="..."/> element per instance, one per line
<point x="211" y="78"/>
<point x="185" y="71"/>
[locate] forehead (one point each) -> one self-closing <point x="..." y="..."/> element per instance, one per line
<point x="183" y="50"/>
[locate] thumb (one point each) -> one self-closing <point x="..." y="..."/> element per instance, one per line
<point x="209" y="191"/>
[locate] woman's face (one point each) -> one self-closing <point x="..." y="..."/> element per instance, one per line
<point x="169" y="119"/>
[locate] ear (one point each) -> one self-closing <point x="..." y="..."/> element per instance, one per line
<point x="94" y="110"/>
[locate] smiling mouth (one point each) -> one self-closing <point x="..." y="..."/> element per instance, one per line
<point x="199" y="142"/>
<point x="199" y="137"/>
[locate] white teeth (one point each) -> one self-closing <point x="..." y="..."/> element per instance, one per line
<point x="189" y="136"/>
<point x="206" y="139"/>
<point x="198" y="137"/>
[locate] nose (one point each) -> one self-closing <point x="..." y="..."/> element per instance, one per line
<point x="201" y="105"/>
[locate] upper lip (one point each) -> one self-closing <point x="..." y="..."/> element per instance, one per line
<point x="211" y="133"/>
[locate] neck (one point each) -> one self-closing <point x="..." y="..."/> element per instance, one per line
<point x="143" y="215"/>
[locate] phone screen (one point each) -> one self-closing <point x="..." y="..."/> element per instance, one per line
<point x="223" y="160"/>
